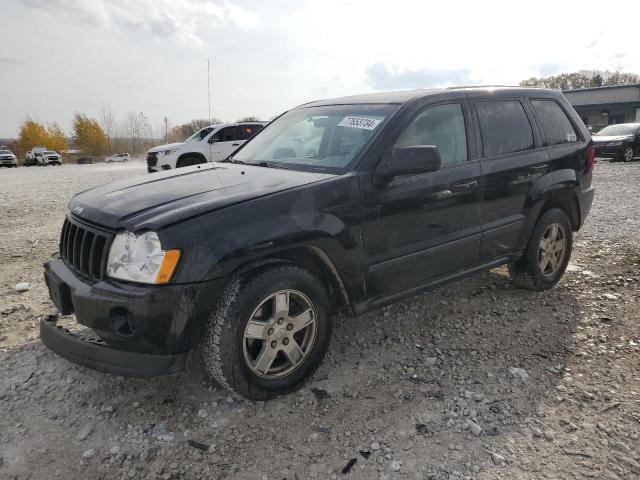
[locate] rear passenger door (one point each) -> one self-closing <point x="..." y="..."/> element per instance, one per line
<point x="224" y="142"/>
<point x="513" y="158"/>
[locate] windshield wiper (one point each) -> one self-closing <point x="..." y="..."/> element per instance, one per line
<point x="231" y="160"/>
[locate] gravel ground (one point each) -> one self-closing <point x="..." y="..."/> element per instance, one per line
<point x="473" y="380"/>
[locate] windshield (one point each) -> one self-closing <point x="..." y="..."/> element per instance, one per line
<point x="315" y="138"/>
<point x="49" y="152"/>
<point x="199" y="135"/>
<point x="621" y="129"/>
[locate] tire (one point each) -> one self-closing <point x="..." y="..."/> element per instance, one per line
<point x="628" y="154"/>
<point x="232" y="359"/>
<point x="528" y="272"/>
<point x="189" y="161"/>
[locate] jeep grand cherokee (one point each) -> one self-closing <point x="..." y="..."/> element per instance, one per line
<point x="348" y="204"/>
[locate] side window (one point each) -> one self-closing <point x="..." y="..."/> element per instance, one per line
<point x="504" y="126"/>
<point x="557" y="127"/>
<point x="227" y="134"/>
<point x="249" y="131"/>
<point x="442" y="126"/>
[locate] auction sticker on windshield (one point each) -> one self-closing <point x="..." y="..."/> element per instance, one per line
<point x="359" y="122"/>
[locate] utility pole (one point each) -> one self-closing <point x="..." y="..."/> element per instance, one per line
<point x="209" y="89"/>
<point x="166" y="128"/>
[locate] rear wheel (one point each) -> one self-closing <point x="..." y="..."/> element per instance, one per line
<point x="547" y="254"/>
<point x="189" y="161"/>
<point x="627" y="156"/>
<point x="269" y="332"/>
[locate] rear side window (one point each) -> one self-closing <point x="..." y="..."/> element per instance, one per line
<point x="442" y="126"/>
<point x="557" y="127"/>
<point x="504" y="126"/>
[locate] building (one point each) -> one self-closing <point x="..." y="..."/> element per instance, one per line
<point x="601" y="106"/>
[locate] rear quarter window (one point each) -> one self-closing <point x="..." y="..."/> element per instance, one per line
<point x="504" y="127"/>
<point x="556" y="125"/>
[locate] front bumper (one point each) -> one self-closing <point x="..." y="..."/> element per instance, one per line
<point x="98" y="355"/>
<point x="10" y="162"/>
<point x="610" y="151"/>
<point x="145" y="330"/>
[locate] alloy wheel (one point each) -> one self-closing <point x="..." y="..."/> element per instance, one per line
<point x="628" y="154"/>
<point x="552" y="250"/>
<point x="280" y="334"/>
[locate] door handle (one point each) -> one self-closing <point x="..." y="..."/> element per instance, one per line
<point x="542" y="166"/>
<point x="464" y="186"/>
<point x="235" y="144"/>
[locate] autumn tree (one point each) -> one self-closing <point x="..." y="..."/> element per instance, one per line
<point x="55" y="138"/>
<point x="583" y="79"/>
<point x="88" y="136"/>
<point x="34" y="134"/>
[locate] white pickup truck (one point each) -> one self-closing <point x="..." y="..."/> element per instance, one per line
<point x="211" y="144"/>
<point x="42" y="157"/>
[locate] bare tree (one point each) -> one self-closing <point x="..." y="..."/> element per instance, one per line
<point x="108" y="123"/>
<point x="250" y="118"/>
<point x="137" y="128"/>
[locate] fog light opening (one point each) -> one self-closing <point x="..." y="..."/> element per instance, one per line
<point x="122" y="323"/>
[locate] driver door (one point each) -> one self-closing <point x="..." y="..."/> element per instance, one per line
<point x="421" y="227"/>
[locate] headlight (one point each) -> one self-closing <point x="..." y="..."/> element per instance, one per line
<point x="616" y="144"/>
<point x="140" y="258"/>
<point x="167" y="152"/>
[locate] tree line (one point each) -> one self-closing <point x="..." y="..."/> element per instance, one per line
<point x="132" y="133"/>
<point x="583" y="79"/>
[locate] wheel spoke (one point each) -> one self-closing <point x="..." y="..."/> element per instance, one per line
<point x="257" y="330"/>
<point x="553" y="232"/>
<point x="302" y="320"/>
<point x="553" y="260"/>
<point x="544" y="261"/>
<point x="293" y="352"/>
<point x="265" y="358"/>
<point x="281" y="305"/>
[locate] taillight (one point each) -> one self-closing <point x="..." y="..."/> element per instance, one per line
<point x="591" y="157"/>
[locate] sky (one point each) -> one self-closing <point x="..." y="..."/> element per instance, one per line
<point x="62" y="56"/>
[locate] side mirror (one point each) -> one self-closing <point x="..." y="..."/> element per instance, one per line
<point x="213" y="139"/>
<point x="408" y="161"/>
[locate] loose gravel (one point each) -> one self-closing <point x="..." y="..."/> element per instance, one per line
<point x="473" y="380"/>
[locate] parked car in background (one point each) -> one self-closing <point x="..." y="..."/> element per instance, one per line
<point x="618" y="142"/>
<point x="49" y="157"/>
<point x="7" y="158"/>
<point x="345" y="204"/>
<point x="211" y="144"/>
<point x="32" y="157"/>
<point x="117" y="157"/>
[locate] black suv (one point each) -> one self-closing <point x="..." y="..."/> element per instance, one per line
<point x="344" y="204"/>
<point x="618" y="142"/>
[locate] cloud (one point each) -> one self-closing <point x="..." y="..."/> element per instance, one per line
<point x="382" y="77"/>
<point x="184" y="20"/>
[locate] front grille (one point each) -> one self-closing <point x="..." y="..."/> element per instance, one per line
<point x="152" y="159"/>
<point x="85" y="249"/>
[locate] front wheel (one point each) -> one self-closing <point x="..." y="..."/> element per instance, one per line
<point x="547" y="254"/>
<point x="627" y="156"/>
<point x="269" y="332"/>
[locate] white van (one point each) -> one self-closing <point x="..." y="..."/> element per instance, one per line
<point x="211" y="144"/>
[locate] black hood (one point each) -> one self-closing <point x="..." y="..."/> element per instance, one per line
<point x="161" y="199"/>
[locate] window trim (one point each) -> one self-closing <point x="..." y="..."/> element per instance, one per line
<point x="527" y="115"/>
<point x="466" y="118"/>
<point x="545" y="142"/>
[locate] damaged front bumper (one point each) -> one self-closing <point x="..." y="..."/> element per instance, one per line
<point x="139" y="330"/>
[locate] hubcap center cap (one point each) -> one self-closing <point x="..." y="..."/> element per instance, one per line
<point x="280" y="333"/>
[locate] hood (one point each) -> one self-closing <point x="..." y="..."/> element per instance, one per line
<point x="160" y="199"/>
<point x="610" y="138"/>
<point x="161" y="148"/>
